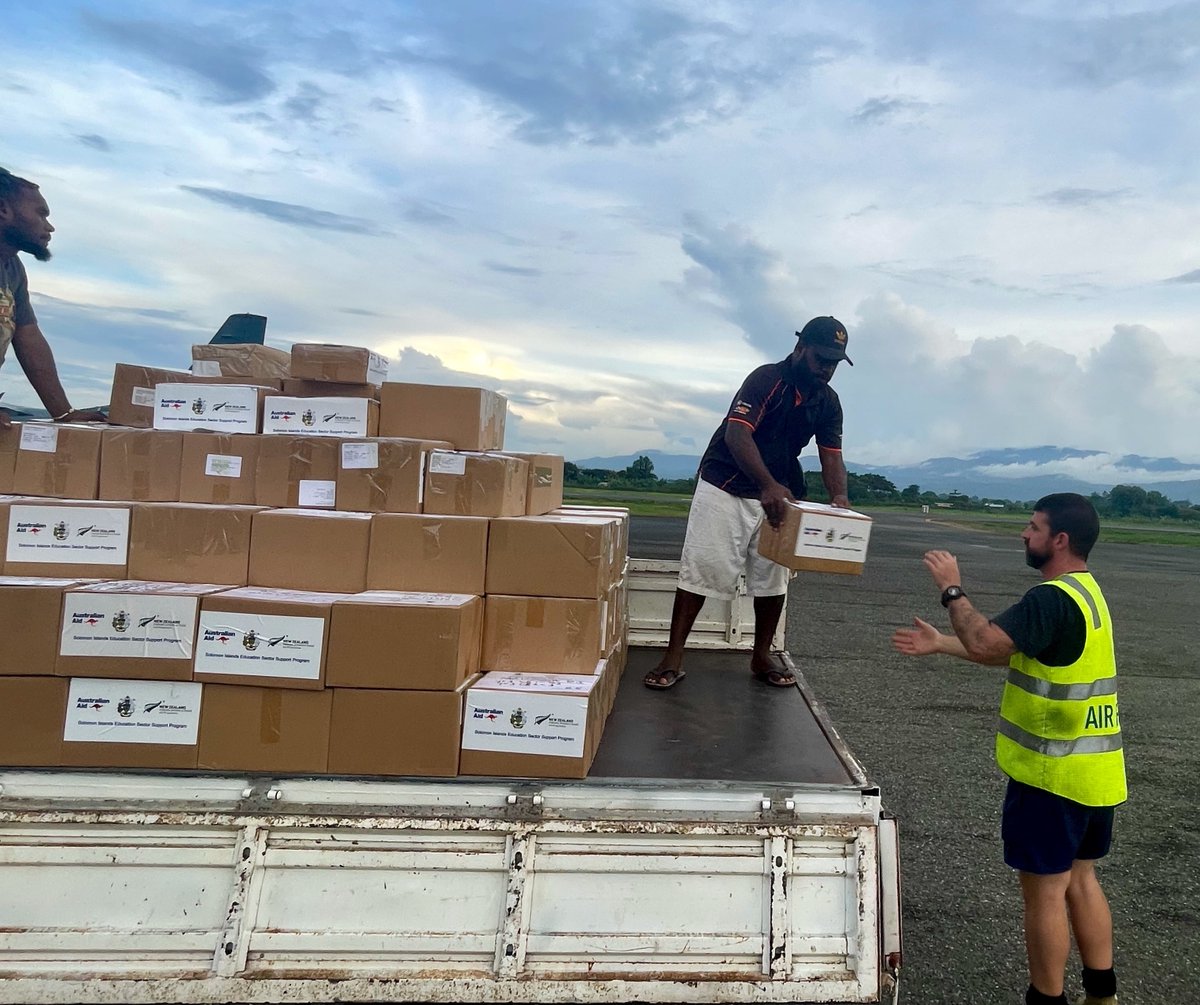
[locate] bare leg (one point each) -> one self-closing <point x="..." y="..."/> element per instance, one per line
<point x="683" y="616"/>
<point x="767" y="611"/>
<point x="1047" y="933"/>
<point x="1091" y="920"/>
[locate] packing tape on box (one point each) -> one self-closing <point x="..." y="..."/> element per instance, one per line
<point x="270" y="719"/>
<point x="431" y="537"/>
<point x="535" y="612"/>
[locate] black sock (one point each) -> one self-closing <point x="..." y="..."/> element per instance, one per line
<point x="1034" y="997"/>
<point x="1100" y="983"/>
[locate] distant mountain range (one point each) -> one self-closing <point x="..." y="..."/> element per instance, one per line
<point x="1016" y="473"/>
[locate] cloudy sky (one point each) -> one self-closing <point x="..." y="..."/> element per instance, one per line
<point x="612" y="210"/>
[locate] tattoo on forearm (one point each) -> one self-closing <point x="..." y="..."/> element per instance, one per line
<point x="969" y="625"/>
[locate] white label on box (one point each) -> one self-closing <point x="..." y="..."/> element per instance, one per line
<point x="317" y="493"/>
<point x="377" y="369"/>
<point x="133" y="711"/>
<point x="43" y="439"/>
<point x="71" y="535"/>
<point x="136" y="625"/>
<point x="228" y="408"/>
<point x="260" y="645"/>
<point x="206" y="367"/>
<point x="360" y="455"/>
<point x="223" y="466"/>
<point x="442" y="462"/>
<point x="316" y="416"/>
<point x="143" y="397"/>
<point x="839" y="538"/>
<point x="515" y="722"/>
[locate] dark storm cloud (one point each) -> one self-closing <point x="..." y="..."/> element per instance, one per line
<point x="604" y="73"/>
<point x="231" y="68"/>
<point x="879" y="111"/>
<point x="1083" y="196"/>
<point x="95" y="141"/>
<point x="285" y="212"/>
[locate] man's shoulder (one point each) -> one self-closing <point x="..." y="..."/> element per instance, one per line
<point x="12" y="268"/>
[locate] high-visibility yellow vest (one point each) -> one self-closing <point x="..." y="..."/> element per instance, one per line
<point x="1059" y="727"/>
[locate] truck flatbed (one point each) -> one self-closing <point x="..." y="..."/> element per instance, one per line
<point x="720" y="724"/>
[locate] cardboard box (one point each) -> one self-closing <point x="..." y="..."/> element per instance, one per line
<point x="264" y="729"/>
<point x="267" y="638"/>
<point x="295" y="387"/>
<point x="58" y="461"/>
<point x="245" y="361"/>
<point x="218" y="468"/>
<point x="341" y="364"/>
<point x="434" y="554"/>
<point x="383" y="475"/>
<point x="297" y="471"/>
<point x="52" y="538"/>
<point x="298" y="549"/>
<point x="132" y="400"/>
<point x="130" y="629"/>
<point x="404" y="641"/>
<point x="471" y="418"/>
<point x="396" y="732"/>
<point x="31" y="721"/>
<point x="190" y="543"/>
<point x="545" y="491"/>
<point x="218" y="408"/>
<point x="342" y="416"/>
<point x="470" y="484"/>
<point x="531" y="725"/>
<point x="818" y="538"/>
<point x="10" y="440"/>
<point x="620" y="514"/>
<point x="140" y="464"/>
<point x="544" y="634"/>
<point x="551" y="556"/>
<point x="30" y="618"/>
<point x="131" y="723"/>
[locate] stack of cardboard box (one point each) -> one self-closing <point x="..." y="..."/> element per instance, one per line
<point x="184" y="596"/>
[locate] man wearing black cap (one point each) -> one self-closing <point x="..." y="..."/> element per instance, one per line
<point x="749" y="472"/>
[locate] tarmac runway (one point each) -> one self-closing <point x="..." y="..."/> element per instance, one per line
<point x="924" y="728"/>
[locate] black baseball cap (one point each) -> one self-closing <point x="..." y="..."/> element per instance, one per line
<point x="827" y="336"/>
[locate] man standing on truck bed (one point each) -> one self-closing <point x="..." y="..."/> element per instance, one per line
<point x="749" y="472"/>
<point x="25" y="226"/>
<point x="1059" y="739"/>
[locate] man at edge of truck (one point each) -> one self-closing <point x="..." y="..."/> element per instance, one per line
<point x="748" y="473"/>
<point x="25" y="227"/>
<point x="1059" y="738"/>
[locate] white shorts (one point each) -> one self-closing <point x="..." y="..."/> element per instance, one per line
<point x="722" y="543"/>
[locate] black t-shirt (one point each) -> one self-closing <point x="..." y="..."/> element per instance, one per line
<point x="1046" y="624"/>
<point x="784" y="418"/>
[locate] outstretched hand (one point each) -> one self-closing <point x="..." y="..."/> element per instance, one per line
<point x="921" y="640"/>
<point x="943" y="566"/>
<point x="84" y="415"/>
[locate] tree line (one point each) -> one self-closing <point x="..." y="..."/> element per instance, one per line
<point x="874" y="489"/>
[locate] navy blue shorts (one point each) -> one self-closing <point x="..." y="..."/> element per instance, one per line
<point x="1044" y="833"/>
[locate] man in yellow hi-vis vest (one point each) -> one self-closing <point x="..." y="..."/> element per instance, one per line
<point x="1059" y="738"/>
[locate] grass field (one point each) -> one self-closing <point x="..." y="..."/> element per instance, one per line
<point x="1121" y="531"/>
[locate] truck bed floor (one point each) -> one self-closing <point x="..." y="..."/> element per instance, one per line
<point x="717" y="723"/>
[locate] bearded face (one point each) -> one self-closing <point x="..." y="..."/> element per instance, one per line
<point x="28" y="227"/>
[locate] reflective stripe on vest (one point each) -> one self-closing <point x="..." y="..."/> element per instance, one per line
<point x="1059" y="726"/>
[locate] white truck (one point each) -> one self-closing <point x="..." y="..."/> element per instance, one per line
<point x="726" y="847"/>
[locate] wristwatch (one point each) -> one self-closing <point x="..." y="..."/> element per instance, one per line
<point x="951" y="593"/>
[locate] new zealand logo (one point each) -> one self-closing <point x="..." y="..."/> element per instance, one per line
<point x="143" y="622"/>
<point x="198" y="406"/>
<point x="120" y="621"/>
<point x="518" y="719"/>
<point x="250" y="640"/>
<point x="61" y="530"/>
<point x="307" y="417"/>
<point x="125" y="707"/>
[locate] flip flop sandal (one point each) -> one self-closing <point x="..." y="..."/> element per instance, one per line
<point x="660" y="680"/>
<point x="775" y="677"/>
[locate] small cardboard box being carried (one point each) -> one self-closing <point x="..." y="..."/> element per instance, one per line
<point x="817" y="538"/>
